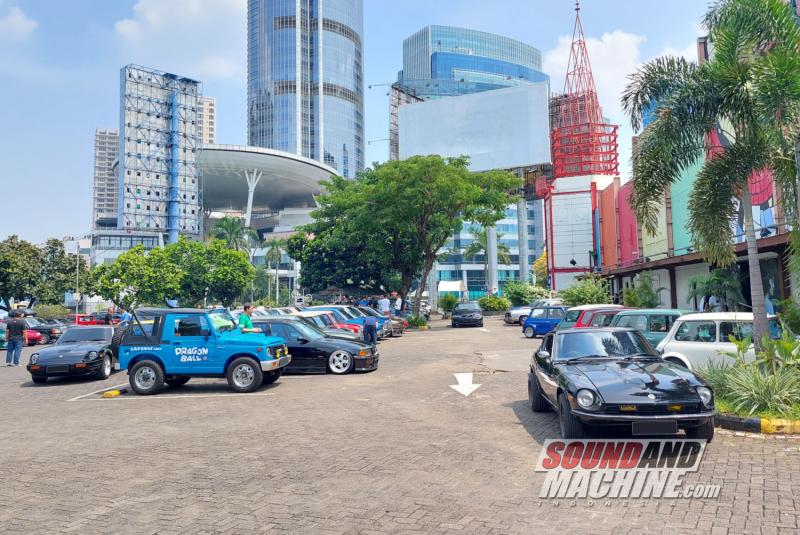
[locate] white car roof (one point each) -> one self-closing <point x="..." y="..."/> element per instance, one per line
<point x="718" y="316"/>
<point x="591" y="307"/>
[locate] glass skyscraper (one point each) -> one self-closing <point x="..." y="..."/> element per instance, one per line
<point x="305" y="86"/>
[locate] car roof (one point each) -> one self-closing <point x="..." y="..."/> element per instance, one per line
<point x="312" y="313"/>
<point x="594" y="329"/>
<point x="85" y="327"/>
<point x="717" y="316"/>
<point x="163" y="311"/>
<point x="262" y="319"/>
<point x="629" y="311"/>
<point x="593" y="307"/>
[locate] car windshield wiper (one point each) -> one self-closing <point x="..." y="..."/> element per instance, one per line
<point x="584" y="357"/>
<point x="637" y="355"/>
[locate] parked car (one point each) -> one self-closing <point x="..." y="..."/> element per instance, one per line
<point x="323" y="320"/>
<point x="696" y="339"/>
<point x="50" y="333"/>
<point x="168" y="346"/>
<point x="612" y="377"/>
<point x="654" y="323"/>
<point x="315" y="352"/>
<point x="395" y="327"/>
<point x="542" y="320"/>
<point x="106" y="318"/>
<point x="78" y="351"/>
<point x="2" y="335"/>
<point x="384" y="322"/>
<point x="81" y="319"/>
<point x="34" y="337"/>
<point x="519" y="314"/>
<point x="469" y="314"/>
<point x="574" y="316"/>
<point x="601" y="317"/>
<point x="343" y="316"/>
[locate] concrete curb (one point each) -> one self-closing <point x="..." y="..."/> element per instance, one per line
<point x="756" y="424"/>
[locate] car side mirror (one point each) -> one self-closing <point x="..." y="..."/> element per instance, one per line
<point x="302" y="340"/>
<point x="544" y="355"/>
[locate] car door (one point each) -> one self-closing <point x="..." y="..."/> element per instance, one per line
<point x="696" y="341"/>
<point x="544" y="368"/>
<point x="302" y="353"/>
<point x="658" y="325"/>
<point x="193" y="349"/>
<point x="538" y="318"/>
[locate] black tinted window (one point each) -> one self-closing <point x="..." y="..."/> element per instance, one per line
<point x="88" y="334"/>
<point x="602" y="343"/>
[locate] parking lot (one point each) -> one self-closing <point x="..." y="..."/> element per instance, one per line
<point x="392" y="451"/>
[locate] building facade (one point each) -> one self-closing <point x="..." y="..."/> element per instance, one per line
<point x="104" y="197"/>
<point x="207" y="120"/>
<point x="159" y="180"/>
<point x="305" y="84"/>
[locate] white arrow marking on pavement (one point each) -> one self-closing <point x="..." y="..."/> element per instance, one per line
<point x="464" y="385"/>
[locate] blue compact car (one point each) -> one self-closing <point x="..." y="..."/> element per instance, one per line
<point x="170" y="345"/>
<point x="542" y="320"/>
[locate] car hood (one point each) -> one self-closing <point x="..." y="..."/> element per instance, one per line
<point x="640" y="381"/>
<point x="471" y="313"/>
<point x="64" y="353"/>
<point x="236" y="338"/>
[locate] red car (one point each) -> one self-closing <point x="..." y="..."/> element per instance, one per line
<point x="34" y="337"/>
<point x="598" y="317"/>
<point x="81" y="319"/>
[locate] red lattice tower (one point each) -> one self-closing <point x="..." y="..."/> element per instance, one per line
<point x="582" y="143"/>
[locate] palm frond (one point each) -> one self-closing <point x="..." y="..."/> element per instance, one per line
<point x="768" y="22"/>
<point x="652" y="83"/>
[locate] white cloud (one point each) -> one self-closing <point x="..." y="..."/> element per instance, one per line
<point x="199" y="38"/>
<point x="15" y="25"/>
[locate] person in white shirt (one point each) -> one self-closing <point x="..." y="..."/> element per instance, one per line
<point x="398" y="305"/>
<point x="383" y="305"/>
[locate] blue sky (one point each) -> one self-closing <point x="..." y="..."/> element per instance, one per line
<point x="60" y="61"/>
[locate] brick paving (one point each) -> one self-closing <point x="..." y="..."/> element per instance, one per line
<point x="393" y="451"/>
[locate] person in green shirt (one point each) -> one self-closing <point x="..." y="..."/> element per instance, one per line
<point x="245" y="323"/>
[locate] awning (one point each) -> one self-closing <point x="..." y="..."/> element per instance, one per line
<point x="452" y="286"/>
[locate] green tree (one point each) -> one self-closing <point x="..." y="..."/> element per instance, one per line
<point x="273" y="254"/>
<point x="193" y="260"/>
<point x="749" y="93"/>
<point x="234" y="233"/>
<point x="519" y="293"/>
<point x="591" y="289"/>
<point x="480" y="247"/>
<point x="60" y="271"/>
<point x="138" y="277"/>
<point x="230" y="273"/>
<point x="48" y="312"/>
<point x="540" y="270"/>
<point x="723" y="283"/>
<point x="20" y="270"/>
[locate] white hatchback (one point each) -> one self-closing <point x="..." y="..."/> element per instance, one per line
<point x="696" y="339"/>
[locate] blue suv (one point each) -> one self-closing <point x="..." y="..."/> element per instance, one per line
<point x="170" y="345"/>
<point x="542" y="320"/>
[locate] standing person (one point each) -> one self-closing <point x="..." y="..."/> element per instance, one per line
<point x="124" y="316"/>
<point x="371" y="330"/>
<point x="373" y="302"/>
<point x="245" y="323"/>
<point x="384" y="305"/>
<point x="398" y="305"/>
<point x="16" y="338"/>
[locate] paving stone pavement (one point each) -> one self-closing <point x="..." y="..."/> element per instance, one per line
<point x="393" y="451"/>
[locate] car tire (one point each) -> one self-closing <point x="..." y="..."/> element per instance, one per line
<point x="530" y="332"/>
<point x="522" y="320"/>
<point x="244" y="375"/>
<point x="536" y="397"/>
<point x="341" y="362"/>
<point x="116" y="339"/>
<point x="45" y="339"/>
<point x="177" y="382"/>
<point x="39" y="379"/>
<point x="105" y="368"/>
<point x="570" y="426"/>
<point x="146" y="377"/>
<point x="480" y="324"/>
<point x="704" y="431"/>
<point x="271" y="377"/>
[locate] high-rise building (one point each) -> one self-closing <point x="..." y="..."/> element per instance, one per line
<point x="442" y="62"/>
<point x="104" y="205"/>
<point x="207" y="120"/>
<point x="305" y="89"/>
<point x="159" y="180"/>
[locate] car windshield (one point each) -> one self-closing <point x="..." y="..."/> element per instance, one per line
<point x="357" y="313"/>
<point x="467" y="307"/>
<point x="572" y="315"/>
<point x="90" y="334"/>
<point x="346" y="313"/>
<point x="222" y="320"/>
<point x="33" y="322"/>
<point x="575" y="345"/>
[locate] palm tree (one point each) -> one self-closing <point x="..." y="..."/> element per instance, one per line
<point x="273" y="254"/>
<point x="725" y="108"/>
<point x="480" y="246"/>
<point x="232" y="231"/>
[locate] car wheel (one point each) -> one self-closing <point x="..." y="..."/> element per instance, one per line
<point x="704" y="431"/>
<point x="522" y="320"/>
<point x="341" y="362"/>
<point x="530" y="332"/>
<point x="105" y="368"/>
<point x="271" y="377"/>
<point x="452" y="325"/>
<point x="45" y="339"/>
<point x="244" y="375"/>
<point x="535" y="396"/>
<point x="570" y="426"/>
<point x="176" y="382"/>
<point x="39" y="379"/>
<point x="480" y="324"/>
<point x="146" y="377"/>
<point x="116" y="338"/>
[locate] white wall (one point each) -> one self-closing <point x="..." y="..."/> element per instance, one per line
<point x="682" y="276"/>
<point x="499" y="129"/>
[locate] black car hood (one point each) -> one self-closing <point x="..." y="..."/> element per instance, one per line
<point x="640" y="381"/>
<point x="68" y="353"/>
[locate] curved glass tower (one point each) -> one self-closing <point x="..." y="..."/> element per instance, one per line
<point x="305" y="88"/>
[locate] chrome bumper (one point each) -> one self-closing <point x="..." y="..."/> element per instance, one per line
<point x="588" y="416"/>
<point x="275" y="364"/>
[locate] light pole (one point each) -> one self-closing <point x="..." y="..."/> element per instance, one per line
<point x="77" y="241"/>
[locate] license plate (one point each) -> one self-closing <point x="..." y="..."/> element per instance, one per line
<point x="656" y="427"/>
<point x="57" y="369"/>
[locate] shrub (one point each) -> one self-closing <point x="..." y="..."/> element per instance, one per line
<point x="630" y="298"/>
<point x="416" y="321"/>
<point x="519" y="293"/>
<point x="448" y="302"/>
<point x="592" y="289"/>
<point x="716" y="374"/>
<point x="49" y="312"/>
<point x="790" y="315"/>
<point x="494" y="303"/>
<point x="752" y="389"/>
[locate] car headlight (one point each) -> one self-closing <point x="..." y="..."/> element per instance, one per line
<point x="587" y="399"/>
<point x="91" y="355"/>
<point x="705" y="395"/>
<point x="34" y="358"/>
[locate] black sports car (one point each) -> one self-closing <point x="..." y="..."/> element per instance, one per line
<point x="50" y="333"/>
<point x="79" y="351"/>
<point x="614" y="377"/>
<point x="315" y="352"/>
<point x="467" y="314"/>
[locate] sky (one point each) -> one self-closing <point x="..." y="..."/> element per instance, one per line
<point x="60" y="61"/>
